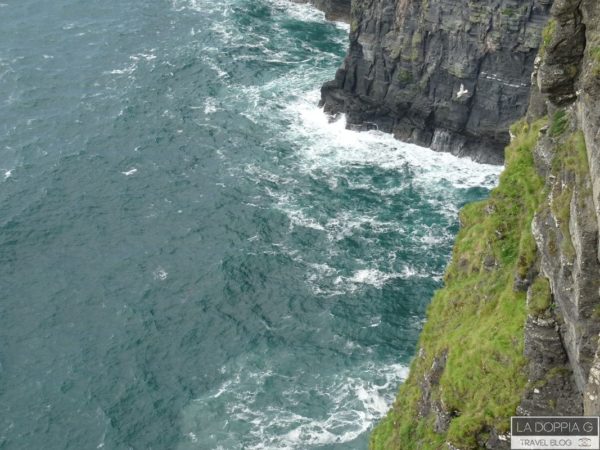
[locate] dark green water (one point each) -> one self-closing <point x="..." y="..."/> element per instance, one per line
<point x="191" y="256"/>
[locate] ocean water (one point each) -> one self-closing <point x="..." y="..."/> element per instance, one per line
<point x="191" y="255"/>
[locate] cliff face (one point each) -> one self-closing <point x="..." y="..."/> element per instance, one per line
<point x="566" y="226"/>
<point x="449" y="74"/>
<point x="515" y="328"/>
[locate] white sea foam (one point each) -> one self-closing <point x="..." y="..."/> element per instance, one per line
<point x="331" y="146"/>
<point x="210" y="105"/>
<point x="323" y="277"/>
<point x="298" y="218"/>
<point x="127" y="70"/>
<point x="376" y="278"/>
<point x="226" y="34"/>
<point x="357" y="399"/>
<point x="304" y="12"/>
<point x="300" y="11"/>
<point x="259" y="175"/>
<point x="224" y="7"/>
<point x="373" y="277"/>
<point x="345" y="223"/>
<point x="132" y="67"/>
<point x="160" y="274"/>
<point x="149" y="56"/>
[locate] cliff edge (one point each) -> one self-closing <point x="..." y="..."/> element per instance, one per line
<point x="515" y="328"/>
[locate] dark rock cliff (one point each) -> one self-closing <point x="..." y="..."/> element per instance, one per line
<point x="449" y="74"/>
<point x="515" y="329"/>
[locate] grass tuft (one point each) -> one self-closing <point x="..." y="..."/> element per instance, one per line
<point x="540" y="298"/>
<point x="559" y="124"/>
<point x="547" y="35"/>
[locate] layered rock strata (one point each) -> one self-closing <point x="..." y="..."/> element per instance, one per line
<point x="449" y="74"/>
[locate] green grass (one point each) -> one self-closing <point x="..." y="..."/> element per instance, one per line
<point x="478" y="317"/>
<point x="547" y="35"/>
<point x="595" y="53"/>
<point x="574" y="156"/>
<point x="560" y="122"/>
<point x="540" y="298"/>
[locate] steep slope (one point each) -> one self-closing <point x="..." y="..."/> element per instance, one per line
<point x="515" y="329"/>
<point x="450" y="74"/>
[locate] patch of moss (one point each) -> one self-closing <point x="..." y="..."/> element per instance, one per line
<point x="540" y="297"/>
<point x="527" y="255"/>
<point x="595" y="59"/>
<point x="417" y="39"/>
<point x="404" y="76"/>
<point x="416" y="44"/>
<point x="596" y="312"/>
<point x="478" y="317"/>
<point x="479" y="13"/>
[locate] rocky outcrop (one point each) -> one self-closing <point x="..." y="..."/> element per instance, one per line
<point x="449" y="74"/>
<point x="565" y="38"/>
<point x="552" y="389"/>
<point x="337" y="10"/>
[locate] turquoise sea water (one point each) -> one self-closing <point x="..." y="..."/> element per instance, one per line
<point x="191" y="255"/>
